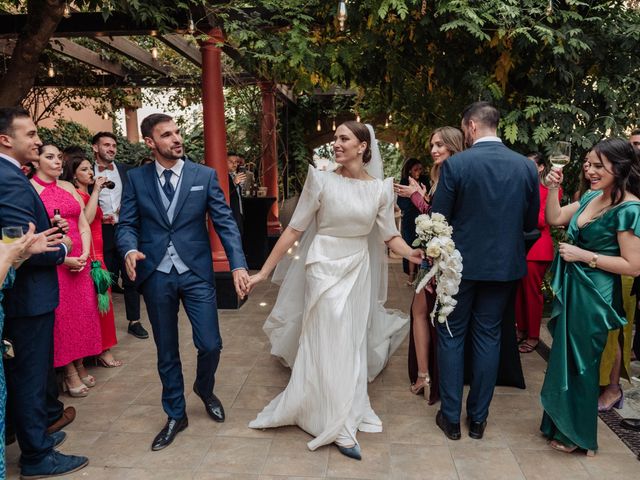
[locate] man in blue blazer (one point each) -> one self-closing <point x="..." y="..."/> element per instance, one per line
<point x="163" y="237"/>
<point x="29" y="305"/>
<point x="489" y="195"/>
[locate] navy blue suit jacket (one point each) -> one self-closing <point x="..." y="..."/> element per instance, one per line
<point x="144" y="225"/>
<point x="35" y="290"/>
<point x="489" y="195"/>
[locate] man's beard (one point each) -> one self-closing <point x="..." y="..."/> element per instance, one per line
<point x="169" y="154"/>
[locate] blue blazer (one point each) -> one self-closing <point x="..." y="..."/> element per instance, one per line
<point x="490" y="196"/>
<point x="35" y="290"/>
<point x="144" y="225"/>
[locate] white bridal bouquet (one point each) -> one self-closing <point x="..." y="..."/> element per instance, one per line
<point x="434" y="237"/>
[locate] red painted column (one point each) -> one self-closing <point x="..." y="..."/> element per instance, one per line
<point x="268" y="131"/>
<point x="215" y="135"/>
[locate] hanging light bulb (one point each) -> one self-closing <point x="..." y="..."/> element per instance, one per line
<point x="105" y="115"/>
<point x="390" y="117"/>
<point x="333" y="125"/>
<point x="386" y="123"/>
<point x="357" y="117"/>
<point x="184" y="102"/>
<point x="397" y="144"/>
<point x="550" y="8"/>
<point x="154" y="52"/>
<point x="192" y="26"/>
<point x="51" y="72"/>
<point x="342" y="14"/>
<point x="319" y="125"/>
<point x="66" y="13"/>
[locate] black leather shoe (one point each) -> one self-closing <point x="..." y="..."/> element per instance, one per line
<point x="476" y="429"/>
<point x="451" y="430"/>
<point x="137" y="330"/>
<point x="212" y="405"/>
<point x="169" y="432"/>
<point x="631" y="424"/>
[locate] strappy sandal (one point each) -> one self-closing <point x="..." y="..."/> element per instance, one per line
<point x="561" y="447"/>
<point x="423" y="386"/>
<point x="108" y="364"/>
<point x="75" y="392"/>
<point x="526" y="347"/>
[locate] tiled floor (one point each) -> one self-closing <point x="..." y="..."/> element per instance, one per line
<point x="118" y="420"/>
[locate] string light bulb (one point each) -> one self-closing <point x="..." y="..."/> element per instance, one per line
<point x="386" y="123"/>
<point x="66" y="13"/>
<point x="342" y="14"/>
<point x="357" y="117"/>
<point x="51" y="72"/>
<point x="154" y="52"/>
<point x="192" y="26"/>
<point x="333" y="125"/>
<point x="105" y="115"/>
<point x="319" y="125"/>
<point x="397" y="144"/>
<point x="184" y="102"/>
<point x="390" y="117"/>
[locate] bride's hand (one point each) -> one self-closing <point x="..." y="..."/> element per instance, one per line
<point x="255" y="279"/>
<point x="416" y="256"/>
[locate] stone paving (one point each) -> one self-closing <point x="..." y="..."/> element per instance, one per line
<point x="118" y="420"/>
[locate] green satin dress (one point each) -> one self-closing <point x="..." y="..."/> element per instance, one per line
<point x="587" y="305"/>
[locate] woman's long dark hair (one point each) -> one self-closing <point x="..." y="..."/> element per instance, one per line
<point x="625" y="166"/>
<point x="408" y="165"/>
<point x="71" y="164"/>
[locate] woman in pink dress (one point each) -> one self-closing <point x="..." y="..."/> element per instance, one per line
<point x="76" y="331"/>
<point x="79" y="171"/>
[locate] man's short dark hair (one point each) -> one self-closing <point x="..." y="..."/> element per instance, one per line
<point x="8" y="115"/>
<point x="149" y="123"/>
<point x="635" y="132"/>
<point x="483" y="113"/>
<point x="96" y="138"/>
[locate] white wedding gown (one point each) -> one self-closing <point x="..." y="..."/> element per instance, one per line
<point x="327" y="349"/>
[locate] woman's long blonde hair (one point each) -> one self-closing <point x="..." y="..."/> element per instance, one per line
<point x="454" y="141"/>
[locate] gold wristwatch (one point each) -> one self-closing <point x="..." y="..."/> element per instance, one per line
<point x="593" y="263"/>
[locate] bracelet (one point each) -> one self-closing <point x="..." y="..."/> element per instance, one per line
<point x="593" y="263"/>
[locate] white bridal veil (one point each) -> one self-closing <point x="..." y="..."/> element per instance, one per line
<point x="386" y="328"/>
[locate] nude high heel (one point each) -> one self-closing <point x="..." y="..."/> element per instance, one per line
<point x="75" y="392"/>
<point x="423" y="386"/>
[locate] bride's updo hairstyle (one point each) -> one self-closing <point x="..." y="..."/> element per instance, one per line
<point x="361" y="132"/>
<point x="625" y="163"/>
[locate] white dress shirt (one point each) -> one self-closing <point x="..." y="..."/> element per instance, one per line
<point x="176" y="170"/>
<point x="110" y="199"/>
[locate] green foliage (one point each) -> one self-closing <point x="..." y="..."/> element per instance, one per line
<point x="67" y="133"/>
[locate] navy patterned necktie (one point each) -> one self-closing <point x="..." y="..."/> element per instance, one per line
<point x="168" y="187"/>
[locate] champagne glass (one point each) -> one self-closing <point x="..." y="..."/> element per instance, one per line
<point x="11" y="234"/>
<point x="560" y="154"/>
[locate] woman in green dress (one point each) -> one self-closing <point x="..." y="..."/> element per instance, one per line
<point x="603" y="243"/>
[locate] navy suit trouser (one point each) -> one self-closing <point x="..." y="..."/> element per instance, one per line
<point x="162" y="294"/>
<point x="115" y="264"/>
<point x="478" y="313"/>
<point x="27" y="381"/>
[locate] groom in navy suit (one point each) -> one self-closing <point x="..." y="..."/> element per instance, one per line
<point x="489" y="195"/>
<point x="163" y="236"/>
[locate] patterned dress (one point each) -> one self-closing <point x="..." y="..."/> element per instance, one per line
<point x="76" y="331"/>
<point x="3" y="385"/>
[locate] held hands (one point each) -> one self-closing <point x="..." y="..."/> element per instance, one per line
<point x="131" y="261"/>
<point x="256" y="279"/>
<point x="241" y="282"/>
<point x="554" y="178"/>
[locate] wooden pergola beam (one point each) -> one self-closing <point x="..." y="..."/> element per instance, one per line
<point x="86" y="56"/>
<point x="184" y="48"/>
<point x="133" y="52"/>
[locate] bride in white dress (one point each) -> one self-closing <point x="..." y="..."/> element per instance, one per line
<point x="347" y="215"/>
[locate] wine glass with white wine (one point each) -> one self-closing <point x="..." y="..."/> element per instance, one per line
<point x="560" y="154"/>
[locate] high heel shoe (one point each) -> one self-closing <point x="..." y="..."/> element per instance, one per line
<point x="423" y="386"/>
<point x="617" y="403"/>
<point x="351" y="452"/>
<point x="75" y="392"/>
<point x="89" y="380"/>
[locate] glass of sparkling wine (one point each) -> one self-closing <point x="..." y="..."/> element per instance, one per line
<point x="560" y="154"/>
<point x="11" y="234"/>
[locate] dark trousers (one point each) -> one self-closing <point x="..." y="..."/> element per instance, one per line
<point x="479" y="313"/>
<point x="115" y="264"/>
<point x="28" y="383"/>
<point x="162" y="294"/>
